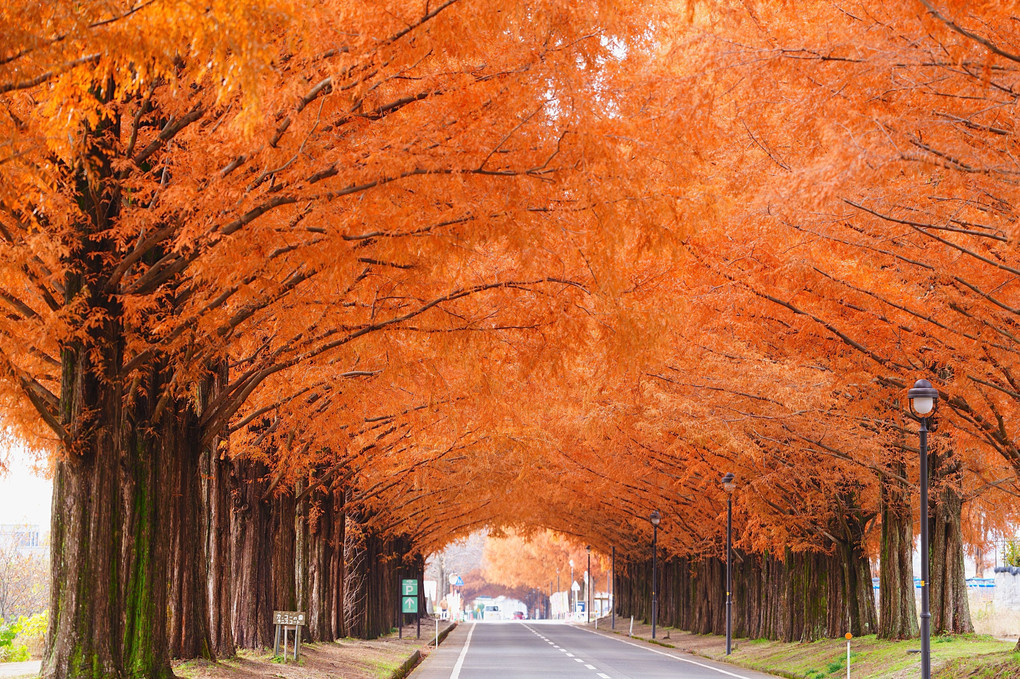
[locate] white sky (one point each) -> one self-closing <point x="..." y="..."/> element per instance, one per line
<point x="24" y="496"/>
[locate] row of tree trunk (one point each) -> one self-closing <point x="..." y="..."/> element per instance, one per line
<point x="166" y="548"/>
<point x="256" y="550"/>
<point x="812" y="595"/>
<point x="800" y="597"/>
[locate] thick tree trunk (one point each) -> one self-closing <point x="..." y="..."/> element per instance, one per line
<point x="109" y="596"/>
<point x="250" y="530"/>
<point x="857" y="614"/>
<point x="216" y="485"/>
<point x="283" y="553"/>
<point x="852" y="608"/>
<point x="322" y="543"/>
<point x="109" y="564"/>
<point x="301" y="554"/>
<point x="146" y="548"/>
<point x="189" y="603"/>
<point x="950" y="609"/>
<point x="898" y="615"/>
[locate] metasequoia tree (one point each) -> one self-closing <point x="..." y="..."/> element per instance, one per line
<point x="295" y="299"/>
<point x="881" y="240"/>
<point x="198" y="205"/>
<point x="536" y="560"/>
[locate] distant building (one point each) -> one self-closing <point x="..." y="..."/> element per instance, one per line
<point x="26" y="538"/>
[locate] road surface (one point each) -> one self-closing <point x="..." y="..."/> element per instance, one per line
<point x="20" y="669"/>
<point x="515" y="650"/>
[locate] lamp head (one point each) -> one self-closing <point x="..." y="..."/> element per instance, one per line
<point x="588" y="549"/>
<point x="727" y="483"/>
<point x="923" y="398"/>
<point x="655" y="518"/>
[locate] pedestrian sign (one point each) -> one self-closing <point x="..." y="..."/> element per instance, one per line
<point x="410" y="604"/>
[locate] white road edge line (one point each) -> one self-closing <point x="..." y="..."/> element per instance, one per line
<point x="668" y="655"/>
<point x="463" y="652"/>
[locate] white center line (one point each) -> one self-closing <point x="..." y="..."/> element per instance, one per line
<point x="463" y="653"/>
<point x="603" y="675"/>
<point x="570" y="655"/>
<point x="578" y="660"/>
<point x="590" y="667"/>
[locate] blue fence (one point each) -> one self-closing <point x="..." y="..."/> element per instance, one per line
<point x="972" y="583"/>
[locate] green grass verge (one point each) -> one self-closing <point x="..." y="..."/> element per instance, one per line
<point x="955" y="657"/>
<point x="966" y="656"/>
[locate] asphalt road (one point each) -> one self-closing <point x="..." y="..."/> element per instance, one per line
<point x="514" y="650"/>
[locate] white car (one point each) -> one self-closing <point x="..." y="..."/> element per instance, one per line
<point x="492" y="612"/>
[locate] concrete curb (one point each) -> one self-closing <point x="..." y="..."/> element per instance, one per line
<point x="415" y="658"/>
<point x="408" y="665"/>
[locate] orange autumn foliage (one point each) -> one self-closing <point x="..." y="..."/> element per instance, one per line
<point x="552" y="266"/>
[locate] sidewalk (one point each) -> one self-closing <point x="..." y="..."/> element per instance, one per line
<point x="9" y="670"/>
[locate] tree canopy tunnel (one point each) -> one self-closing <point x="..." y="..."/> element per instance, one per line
<point x="294" y="296"/>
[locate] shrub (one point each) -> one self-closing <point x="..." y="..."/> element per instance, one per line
<point x="1011" y="553"/>
<point x="21" y="639"/>
<point x="9" y="652"/>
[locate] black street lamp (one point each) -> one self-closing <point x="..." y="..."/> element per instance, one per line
<point x="654" y="518"/>
<point x="923" y="400"/>
<point x="729" y="487"/>
<point x="587" y="584"/>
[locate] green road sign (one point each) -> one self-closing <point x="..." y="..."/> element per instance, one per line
<point x="409" y="587"/>
<point x="410" y="604"/>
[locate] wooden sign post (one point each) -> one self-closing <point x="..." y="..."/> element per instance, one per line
<point x="287" y="621"/>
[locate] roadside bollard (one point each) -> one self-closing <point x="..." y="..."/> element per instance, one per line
<point x="437" y="632"/>
<point x="632" y="625"/>
<point x="848" y="638"/>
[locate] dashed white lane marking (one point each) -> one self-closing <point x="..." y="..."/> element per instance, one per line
<point x="463" y="653"/>
<point x="668" y="655"/>
<point x="602" y="675"/>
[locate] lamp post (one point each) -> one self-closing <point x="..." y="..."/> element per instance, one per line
<point x="654" y="518"/>
<point x="729" y="487"/>
<point x="587" y="584"/>
<point x="923" y="400"/>
<point x="571" y="600"/>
